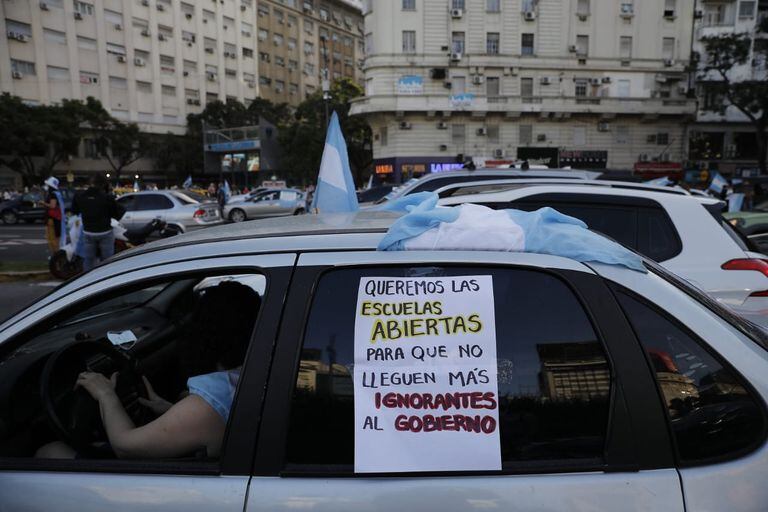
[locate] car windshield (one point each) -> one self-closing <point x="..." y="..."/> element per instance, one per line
<point x="188" y="197"/>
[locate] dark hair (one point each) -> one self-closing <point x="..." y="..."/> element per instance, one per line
<point x="99" y="181"/>
<point x="221" y="327"/>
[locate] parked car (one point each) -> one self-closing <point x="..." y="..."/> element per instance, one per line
<point x="373" y="194"/>
<point x="753" y="224"/>
<point x="181" y="210"/>
<point x="27" y="207"/>
<point x="252" y="193"/>
<point x="432" y="182"/>
<point x="617" y="390"/>
<point x="686" y="234"/>
<point x="269" y="203"/>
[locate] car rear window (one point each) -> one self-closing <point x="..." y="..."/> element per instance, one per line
<point x="553" y="376"/>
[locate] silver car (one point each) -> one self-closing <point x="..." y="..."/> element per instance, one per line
<point x="269" y="203"/>
<point x="616" y="390"/>
<point x="180" y="209"/>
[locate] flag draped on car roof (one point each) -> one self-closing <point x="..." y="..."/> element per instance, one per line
<point x="335" y="191"/>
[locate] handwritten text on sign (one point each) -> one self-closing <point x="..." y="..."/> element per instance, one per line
<point x="426" y="395"/>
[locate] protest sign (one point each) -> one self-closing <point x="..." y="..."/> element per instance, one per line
<point x="425" y="383"/>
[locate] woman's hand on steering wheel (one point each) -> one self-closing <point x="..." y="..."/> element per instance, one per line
<point x="97" y="385"/>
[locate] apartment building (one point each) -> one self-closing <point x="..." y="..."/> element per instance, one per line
<point x="585" y="83"/>
<point x="153" y="62"/>
<point x="722" y="138"/>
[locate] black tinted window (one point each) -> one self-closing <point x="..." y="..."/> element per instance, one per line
<point x="711" y="412"/>
<point x="128" y="202"/>
<point x="553" y="375"/>
<point x="153" y="202"/>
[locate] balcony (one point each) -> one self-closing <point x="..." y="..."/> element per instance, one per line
<point x="524" y="105"/>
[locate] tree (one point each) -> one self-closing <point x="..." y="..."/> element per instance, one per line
<point x="34" y="139"/>
<point x="303" y="139"/>
<point x="121" y="144"/>
<point x="747" y="92"/>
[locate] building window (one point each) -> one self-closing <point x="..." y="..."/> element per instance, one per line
<point x="492" y="86"/>
<point x="668" y="48"/>
<point x="526" y="87"/>
<point x="662" y="139"/>
<point x="309" y="27"/>
<point x="669" y="8"/>
<point x="368" y="44"/>
<point x="384" y="136"/>
<point x="582" y="86"/>
<point x="409" y="41"/>
<point x="247" y="53"/>
<point x="457" y="42"/>
<point x="747" y="9"/>
<point x="167" y="65"/>
<point x="116" y="82"/>
<point x="625" y="47"/>
<point x="88" y="78"/>
<point x="246" y="29"/>
<point x="263" y="10"/>
<point x="115" y="49"/>
<point x="86" y="43"/>
<point x="263" y="34"/>
<point x="16" y="27"/>
<point x="144" y="87"/>
<point x="58" y="74"/>
<point x="624" y="88"/>
<point x="582" y="46"/>
<point x="409" y="5"/>
<point x="525" y="134"/>
<point x="83" y="8"/>
<point x="526" y="44"/>
<point x="579" y="136"/>
<point x="264" y="57"/>
<point x="458" y="133"/>
<point x="168" y="90"/>
<point x="492" y="132"/>
<point x="621" y="134"/>
<point x="458" y="4"/>
<point x="493" y="5"/>
<point x="208" y="16"/>
<point x="582" y="8"/>
<point x="492" y="43"/>
<point x="54" y="36"/>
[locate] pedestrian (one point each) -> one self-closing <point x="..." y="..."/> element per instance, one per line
<point x="97" y="208"/>
<point x="221" y="197"/>
<point x="53" y="213"/>
<point x="211" y="190"/>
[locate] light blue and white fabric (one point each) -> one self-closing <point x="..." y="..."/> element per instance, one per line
<point x="735" y="202"/>
<point x="217" y="389"/>
<point x="664" y="181"/>
<point x="473" y="227"/>
<point x="718" y="183"/>
<point x="187" y="183"/>
<point x="335" y="191"/>
<point x="227" y="191"/>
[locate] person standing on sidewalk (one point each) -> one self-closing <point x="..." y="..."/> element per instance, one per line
<point x="53" y="214"/>
<point x="97" y="208"/>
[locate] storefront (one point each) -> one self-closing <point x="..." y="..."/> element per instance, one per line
<point x="653" y="170"/>
<point x="401" y="169"/>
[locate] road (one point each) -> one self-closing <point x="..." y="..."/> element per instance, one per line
<point x="23" y="243"/>
<point x="15" y="296"/>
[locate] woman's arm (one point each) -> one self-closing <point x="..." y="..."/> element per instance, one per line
<point x="188" y="426"/>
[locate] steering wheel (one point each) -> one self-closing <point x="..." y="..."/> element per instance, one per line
<point x="72" y="413"/>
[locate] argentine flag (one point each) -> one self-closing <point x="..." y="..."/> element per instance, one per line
<point x="227" y="191"/>
<point x="718" y="182"/>
<point x="187" y="183"/>
<point x="335" y="191"/>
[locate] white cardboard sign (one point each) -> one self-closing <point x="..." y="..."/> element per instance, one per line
<point x="425" y="375"/>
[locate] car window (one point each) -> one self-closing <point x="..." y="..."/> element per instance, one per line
<point x="288" y="195"/>
<point x="188" y="198"/>
<point x="553" y="375"/>
<point x="712" y="413"/>
<point x="186" y="335"/>
<point x="436" y="183"/>
<point x="268" y="196"/>
<point x="148" y="202"/>
<point x="128" y="202"/>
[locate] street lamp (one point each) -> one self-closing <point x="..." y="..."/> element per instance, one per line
<point x="326" y="79"/>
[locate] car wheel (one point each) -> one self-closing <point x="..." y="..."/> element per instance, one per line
<point x="299" y="211"/>
<point x="237" y="215"/>
<point x="10" y="217"/>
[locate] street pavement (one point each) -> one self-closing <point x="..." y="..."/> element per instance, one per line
<point x="15" y="296"/>
<point x="23" y="242"/>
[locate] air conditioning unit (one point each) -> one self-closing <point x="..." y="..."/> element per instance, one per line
<point x="78" y="16"/>
<point x="160" y="7"/>
<point x="246" y="34"/>
<point x="121" y="58"/>
<point x="160" y="37"/>
<point x="651" y="139"/>
<point x="145" y="3"/>
<point x="405" y="125"/>
<point x="208" y="50"/>
<point x="188" y="15"/>
<point x="43" y="6"/>
<point x="669" y="62"/>
<point x="594" y="81"/>
<point x="443" y="147"/>
<point x="457" y="13"/>
<point x="529" y="15"/>
<point x="541" y="137"/>
<point x="251" y="84"/>
<point x="478" y="79"/>
<point x="498" y="153"/>
<point x="682" y="90"/>
<point x="197" y="102"/>
<point x="242" y="8"/>
<point x="698" y="14"/>
<point x="185" y="73"/>
<point x="582" y="16"/>
<point x="22" y="38"/>
<point x="442" y="125"/>
<point x="456" y="56"/>
<point x="138" y="61"/>
<point x="643" y="157"/>
<point x="211" y="77"/>
<point x="145" y="32"/>
<point x="482" y="131"/>
<point x="603" y="127"/>
<point x="17" y="75"/>
<point x="118" y="26"/>
<point x="573" y="48"/>
<point x="190" y="101"/>
<point x="544" y="80"/>
<point x="627" y="10"/>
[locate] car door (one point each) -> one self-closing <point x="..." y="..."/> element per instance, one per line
<point x="129" y="204"/>
<point x="31" y="207"/>
<point x="576" y="430"/>
<point x="150" y="207"/>
<point x="159" y="485"/>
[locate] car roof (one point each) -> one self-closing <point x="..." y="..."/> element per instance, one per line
<point x="502" y="185"/>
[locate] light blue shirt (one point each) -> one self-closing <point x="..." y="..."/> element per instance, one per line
<point x="217" y="389"/>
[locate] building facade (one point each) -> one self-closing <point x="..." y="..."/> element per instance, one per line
<point x="722" y="138"/>
<point x="586" y="83"/>
<point x="153" y="62"/>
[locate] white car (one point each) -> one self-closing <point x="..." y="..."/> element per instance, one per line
<point x="684" y="233"/>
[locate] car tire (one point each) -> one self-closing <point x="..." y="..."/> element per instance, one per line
<point x="9" y="217"/>
<point x="299" y="211"/>
<point x="237" y="215"/>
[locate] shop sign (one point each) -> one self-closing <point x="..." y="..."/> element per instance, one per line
<point x="384" y="169"/>
<point x="465" y="100"/>
<point x="540" y="156"/>
<point x="410" y="84"/>
<point x="590" y="159"/>
<point x="438" y="167"/>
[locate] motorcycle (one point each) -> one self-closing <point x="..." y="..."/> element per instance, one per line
<point x="66" y="263"/>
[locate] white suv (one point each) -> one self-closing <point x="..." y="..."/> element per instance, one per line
<point x="684" y="233"/>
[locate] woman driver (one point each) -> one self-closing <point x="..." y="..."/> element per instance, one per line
<point x="222" y="327"/>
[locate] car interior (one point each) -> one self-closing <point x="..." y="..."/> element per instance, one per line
<point x="146" y="330"/>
